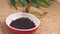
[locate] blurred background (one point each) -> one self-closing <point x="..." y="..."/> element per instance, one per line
<point x="50" y="24"/>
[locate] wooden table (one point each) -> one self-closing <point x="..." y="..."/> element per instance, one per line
<point x="50" y="24"/>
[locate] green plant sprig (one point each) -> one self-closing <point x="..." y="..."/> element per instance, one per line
<point x="26" y="2"/>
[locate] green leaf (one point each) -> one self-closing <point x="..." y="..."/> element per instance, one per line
<point x="45" y="2"/>
<point x="13" y="2"/>
<point x="23" y="2"/>
<point x="35" y="3"/>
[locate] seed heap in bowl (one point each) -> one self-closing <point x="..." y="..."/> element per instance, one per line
<point x="22" y="23"/>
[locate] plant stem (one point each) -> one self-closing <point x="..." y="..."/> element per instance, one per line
<point x="27" y="8"/>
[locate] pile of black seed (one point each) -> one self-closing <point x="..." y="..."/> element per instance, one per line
<point x="22" y="23"/>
